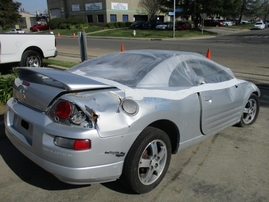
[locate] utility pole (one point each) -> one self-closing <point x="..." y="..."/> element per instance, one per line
<point x="174" y="19"/>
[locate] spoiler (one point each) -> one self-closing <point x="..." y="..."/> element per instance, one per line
<point x="65" y="80"/>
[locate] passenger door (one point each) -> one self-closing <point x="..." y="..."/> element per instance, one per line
<point x="220" y="108"/>
<point x="221" y="97"/>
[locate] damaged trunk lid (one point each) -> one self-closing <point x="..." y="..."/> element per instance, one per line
<point x="38" y="87"/>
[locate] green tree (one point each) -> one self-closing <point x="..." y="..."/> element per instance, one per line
<point x="194" y="8"/>
<point x="9" y="13"/>
<point x="260" y="9"/>
<point x="230" y="8"/>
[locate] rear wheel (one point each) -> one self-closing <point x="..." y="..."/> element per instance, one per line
<point x="250" y="111"/>
<point x="147" y="161"/>
<point x="31" y="58"/>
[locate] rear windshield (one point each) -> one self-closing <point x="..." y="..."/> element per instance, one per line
<point x="125" y="68"/>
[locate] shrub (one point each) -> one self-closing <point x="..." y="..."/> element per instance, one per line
<point x="110" y="25"/>
<point x="55" y="23"/>
<point x="63" y="26"/>
<point x="6" y="87"/>
<point x="74" y="21"/>
<point x="70" y="26"/>
<point x="82" y="26"/>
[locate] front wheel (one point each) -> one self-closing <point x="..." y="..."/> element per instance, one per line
<point x="250" y="111"/>
<point x="147" y="161"/>
<point x="31" y="58"/>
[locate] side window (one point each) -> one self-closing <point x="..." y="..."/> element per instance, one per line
<point x="209" y="71"/>
<point x="181" y="77"/>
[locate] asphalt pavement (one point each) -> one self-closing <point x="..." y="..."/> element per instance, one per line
<point x="71" y="55"/>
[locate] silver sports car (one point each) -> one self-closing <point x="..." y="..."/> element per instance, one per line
<point x="122" y="115"/>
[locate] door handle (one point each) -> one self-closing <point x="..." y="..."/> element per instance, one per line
<point x="208" y="99"/>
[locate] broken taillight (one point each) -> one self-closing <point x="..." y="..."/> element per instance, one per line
<point x="68" y="113"/>
<point x="63" y="110"/>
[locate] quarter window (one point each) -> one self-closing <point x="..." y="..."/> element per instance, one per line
<point x="211" y="72"/>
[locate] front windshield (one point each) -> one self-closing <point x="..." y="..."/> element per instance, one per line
<point x="127" y="68"/>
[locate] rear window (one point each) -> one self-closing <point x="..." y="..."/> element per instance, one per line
<point x="125" y="68"/>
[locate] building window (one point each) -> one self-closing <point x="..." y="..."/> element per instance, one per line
<point x="100" y="18"/>
<point x="113" y="18"/>
<point x="89" y="18"/>
<point x="125" y="18"/>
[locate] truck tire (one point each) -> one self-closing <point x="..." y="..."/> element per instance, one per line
<point x="31" y="58"/>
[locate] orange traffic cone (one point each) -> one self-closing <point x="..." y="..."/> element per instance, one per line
<point x="122" y="48"/>
<point x="208" y="54"/>
<point x="74" y="36"/>
<point x="59" y="36"/>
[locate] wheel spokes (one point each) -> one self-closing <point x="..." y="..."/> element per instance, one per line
<point x="152" y="162"/>
<point x="249" y="111"/>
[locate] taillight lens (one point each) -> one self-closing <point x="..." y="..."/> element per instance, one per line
<point x="82" y="144"/>
<point x="63" y="110"/>
<point x="75" y="144"/>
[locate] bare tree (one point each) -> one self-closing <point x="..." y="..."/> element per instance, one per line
<point x="152" y="7"/>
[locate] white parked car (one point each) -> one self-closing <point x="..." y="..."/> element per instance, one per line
<point x="259" y="25"/>
<point x="227" y="23"/>
<point x="16" y="31"/>
<point x="244" y="22"/>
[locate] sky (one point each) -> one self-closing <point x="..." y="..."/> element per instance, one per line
<point x="32" y="5"/>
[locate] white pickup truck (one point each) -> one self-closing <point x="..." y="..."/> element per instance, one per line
<point x="28" y="50"/>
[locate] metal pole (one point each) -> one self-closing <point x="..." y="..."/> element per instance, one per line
<point x="83" y="45"/>
<point x="174" y="19"/>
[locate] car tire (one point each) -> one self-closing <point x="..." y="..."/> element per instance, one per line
<point x="250" y="111"/>
<point x="152" y="149"/>
<point x="31" y="58"/>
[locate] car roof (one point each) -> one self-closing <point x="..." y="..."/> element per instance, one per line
<point x="130" y="67"/>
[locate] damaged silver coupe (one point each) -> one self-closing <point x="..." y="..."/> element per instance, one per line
<point x="122" y="115"/>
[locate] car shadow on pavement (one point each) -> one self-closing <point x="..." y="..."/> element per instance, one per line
<point x="28" y="171"/>
<point x="117" y="186"/>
